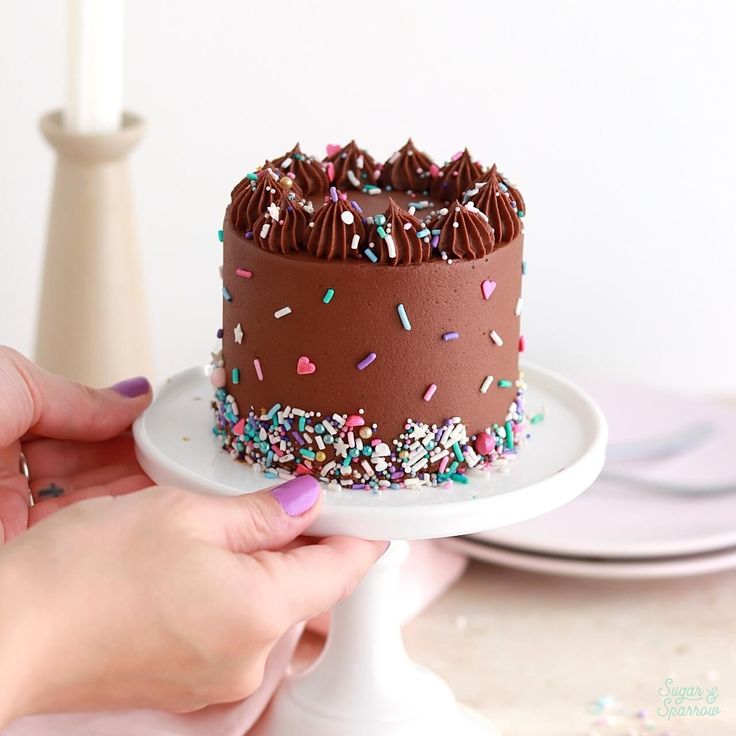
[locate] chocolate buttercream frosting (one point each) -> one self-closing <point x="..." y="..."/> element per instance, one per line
<point x="351" y="167"/>
<point x="333" y="229"/>
<point x="308" y="173"/>
<point x="407" y="170"/>
<point x="516" y="199"/>
<point x="282" y="228"/>
<point x="255" y="192"/>
<point x="464" y="232"/>
<point x="395" y="237"/>
<point x="455" y="177"/>
<point x="492" y="197"/>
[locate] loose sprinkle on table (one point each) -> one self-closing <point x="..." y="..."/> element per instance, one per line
<point x="279" y="313"/>
<point x="430" y="392"/>
<point x="403" y="317"/>
<point x="366" y="361"/>
<point x="496" y="338"/>
<point x="487" y="383"/>
<point x="257" y="366"/>
<point x="244" y="273"/>
<point x="487" y="288"/>
<point x="327" y="298"/>
<point x="450" y="336"/>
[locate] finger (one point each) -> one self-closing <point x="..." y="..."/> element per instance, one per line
<point x="268" y="519"/>
<point x="48" y="506"/>
<point x="54" y="486"/>
<point x="312" y="578"/>
<point x="64" y="458"/>
<point x="13" y="505"/>
<point x="36" y="401"/>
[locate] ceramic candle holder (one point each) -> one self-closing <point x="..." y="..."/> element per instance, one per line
<point x="93" y="324"/>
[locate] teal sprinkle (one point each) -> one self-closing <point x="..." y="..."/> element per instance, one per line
<point x="271" y="474"/>
<point x="251" y="176"/>
<point x="236" y="375"/>
<point x="353" y="452"/>
<point x="370" y="255"/>
<point x="537" y="418"/>
<point x="307" y="453"/>
<point x="423" y="233"/>
<point x="328" y="439"/>
<point x="403" y="317"/>
<point x="503" y="383"/>
<point x="509" y="436"/>
<point x="381" y="232"/>
<point x="380" y="220"/>
<point x="302" y="423"/>
<point x="327" y="298"/>
<point x="221" y="236"/>
<point x="436" y="231"/>
<point x="458" y="452"/>
<point x="458" y="478"/>
<point x="520" y="213"/>
<point x="346" y="461"/>
<point x="452" y="467"/>
<point x="367" y="450"/>
<point x="226" y="294"/>
<point x="319" y="428"/>
<point x="272" y="411"/>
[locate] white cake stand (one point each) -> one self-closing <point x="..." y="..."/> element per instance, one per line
<point x="364" y="684"/>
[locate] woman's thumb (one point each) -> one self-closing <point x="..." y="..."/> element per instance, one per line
<point x="268" y="519"/>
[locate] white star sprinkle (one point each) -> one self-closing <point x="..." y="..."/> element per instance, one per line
<point x="238" y="333"/>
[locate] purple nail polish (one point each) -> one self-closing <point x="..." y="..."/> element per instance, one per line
<point x="298" y="495"/>
<point x="133" y="387"/>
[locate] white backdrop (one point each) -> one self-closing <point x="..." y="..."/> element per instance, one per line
<point x="616" y="119"/>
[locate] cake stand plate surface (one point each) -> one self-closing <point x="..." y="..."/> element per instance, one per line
<point x="175" y="445"/>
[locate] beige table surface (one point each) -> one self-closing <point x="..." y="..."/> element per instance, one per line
<point x="534" y="653"/>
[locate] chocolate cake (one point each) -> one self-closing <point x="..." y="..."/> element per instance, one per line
<point x="371" y="317"/>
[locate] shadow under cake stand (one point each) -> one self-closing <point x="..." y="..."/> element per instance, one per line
<point x="364" y="683"/>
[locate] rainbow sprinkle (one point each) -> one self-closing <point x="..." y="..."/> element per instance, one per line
<point x="450" y="336"/>
<point x="327" y="298"/>
<point x="430" y="392"/>
<point x="244" y="273"/>
<point x="279" y="313"/>
<point x="257" y="366"/>
<point x="403" y="317"/>
<point x="366" y="361"/>
<point x="487" y="383"/>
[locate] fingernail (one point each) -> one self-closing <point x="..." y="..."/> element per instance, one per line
<point x="132" y="387"/>
<point x="297" y="496"/>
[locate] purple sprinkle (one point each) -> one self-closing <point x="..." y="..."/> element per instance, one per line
<point x="366" y="361"/>
<point x="359" y="486"/>
<point x="298" y="437"/>
<point x="249" y="235"/>
<point x="450" y="336"/>
<point x="435" y="241"/>
<point x="396" y="476"/>
<point x="333" y="194"/>
<point x="220" y="333"/>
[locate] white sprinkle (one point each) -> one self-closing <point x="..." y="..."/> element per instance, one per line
<point x="519" y="305"/>
<point x="487" y="383"/>
<point x="319" y="442"/>
<point x="496" y="338"/>
<point x="286" y="163"/>
<point x="347" y="217"/>
<point x="326" y="468"/>
<point x="353" y="179"/>
<point x="329" y="427"/>
<point x="238" y="333"/>
<point x="412" y="210"/>
<point x="367" y="467"/>
<point x="279" y="313"/>
<point x="391" y="246"/>
<point x="273" y="210"/>
<point x="407" y="226"/>
<point x="359" y="162"/>
<point x="264" y="230"/>
<point x="394" y="157"/>
<point x="355" y="242"/>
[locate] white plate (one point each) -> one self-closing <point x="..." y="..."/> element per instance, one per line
<point x="618" y="521"/>
<point x="668" y="567"/>
<point x="175" y="445"/>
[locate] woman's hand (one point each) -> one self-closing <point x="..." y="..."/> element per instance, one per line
<point x="75" y="440"/>
<point x="162" y="598"/>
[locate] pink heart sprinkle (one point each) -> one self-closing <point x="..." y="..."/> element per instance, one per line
<point x="488" y="287"/>
<point x="304" y="366"/>
<point x="333" y="148"/>
<point x="434" y="171"/>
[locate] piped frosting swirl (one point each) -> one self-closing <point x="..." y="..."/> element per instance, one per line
<point x="455" y="177"/>
<point x="309" y="174"/>
<point x="252" y="195"/>
<point x="491" y="196"/>
<point x="408" y="169"/>
<point x="351" y="167"/>
<point x="333" y="229"/>
<point x="394" y="237"/>
<point x="463" y="232"/>
<point x="282" y="228"/>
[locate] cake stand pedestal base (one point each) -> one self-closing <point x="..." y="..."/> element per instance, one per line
<point x="364" y="683"/>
